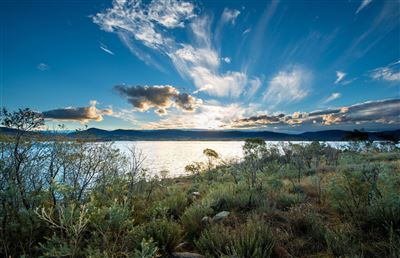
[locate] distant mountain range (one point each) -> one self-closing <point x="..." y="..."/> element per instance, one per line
<point x="204" y="135"/>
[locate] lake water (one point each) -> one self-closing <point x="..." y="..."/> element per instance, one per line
<point x="173" y="156"/>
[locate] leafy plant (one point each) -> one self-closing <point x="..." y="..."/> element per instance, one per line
<point x="191" y="219"/>
<point x="165" y="234"/>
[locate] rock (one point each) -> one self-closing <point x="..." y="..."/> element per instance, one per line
<point x="186" y="255"/>
<point x="205" y="220"/>
<point x="196" y="194"/>
<point x="183" y="246"/>
<point x="220" y="216"/>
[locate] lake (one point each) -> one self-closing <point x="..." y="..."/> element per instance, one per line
<point x="173" y="156"/>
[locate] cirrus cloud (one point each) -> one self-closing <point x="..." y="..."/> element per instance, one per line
<point x="229" y="15"/>
<point x="389" y="73"/>
<point x="289" y="85"/>
<point x="197" y="59"/>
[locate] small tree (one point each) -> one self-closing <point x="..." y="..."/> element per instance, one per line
<point x="212" y="156"/>
<point x="136" y="159"/>
<point x="195" y="168"/>
<point x="254" y="150"/>
<point x="23" y="121"/>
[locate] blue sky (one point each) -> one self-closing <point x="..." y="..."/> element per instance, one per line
<point x="260" y="65"/>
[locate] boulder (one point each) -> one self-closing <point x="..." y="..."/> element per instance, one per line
<point x="220" y="216"/>
<point x="186" y="255"/>
<point x="183" y="246"/>
<point x="205" y="221"/>
<point x="197" y="194"/>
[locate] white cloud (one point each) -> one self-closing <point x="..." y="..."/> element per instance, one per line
<point x="201" y="29"/>
<point x="388" y="73"/>
<point x="289" y="86"/>
<point x="145" y="22"/>
<point x="170" y="13"/>
<point x="227" y="60"/>
<point x="248" y="30"/>
<point x="228" y="84"/>
<point x="229" y="15"/>
<point x="189" y="56"/>
<point x="332" y="97"/>
<point x="339" y="76"/>
<point x="150" y="23"/>
<point x="126" y="115"/>
<point x="363" y="4"/>
<point x="254" y="86"/>
<point x="43" y="67"/>
<point x="105" y="49"/>
<point x="209" y="116"/>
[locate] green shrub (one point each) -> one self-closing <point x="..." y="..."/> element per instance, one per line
<point x="348" y="193"/>
<point x="252" y="240"/>
<point x="110" y="224"/>
<point x="284" y="200"/>
<point x="306" y="223"/>
<point x="342" y="241"/>
<point x="275" y="183"/>
<point x="147" y="249"/>
<point x="165" y="234"/>
<point x="176" y="202"/>
<point x="215" y="241"/>
<point x="191" y="219"/>
<point x="229" y="196"/>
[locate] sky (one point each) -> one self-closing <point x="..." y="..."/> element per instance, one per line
<point x="287" y="66"/>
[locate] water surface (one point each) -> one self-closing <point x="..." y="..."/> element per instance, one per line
<point x="173" y="156"/>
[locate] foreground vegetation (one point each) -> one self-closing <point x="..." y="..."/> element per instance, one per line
<point x="73" y="199"/>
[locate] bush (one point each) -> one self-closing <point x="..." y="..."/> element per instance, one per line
<point x="147" y="249"/>
<point x="191" y="219"/>
<point x="214" y="242"/>
<point x="165" y="234"/>
<point x="306" y="223"/>
<point x="342" y="241"/>
<point x="230" y="197"/>
<point x="176" y="202"/>
<point x="111" y="224"/>
<point x="283" y="201"/>
<point x="251" y="240"/>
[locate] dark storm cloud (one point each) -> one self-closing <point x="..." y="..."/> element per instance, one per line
<point x="371" y="112"/>
<point x="160" y="97"/>
<point x="81" y="114"/>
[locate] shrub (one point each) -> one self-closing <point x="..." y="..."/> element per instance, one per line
<point x="191" y="219"/>
<point x="111" y="224"/>
<point x="147" y="249"/>
<point x="251" y="240"/>
<point x="69" y="225"/>
<point x="176" y="202"/>
<point x="342" y="241"/>
<point x="348" y="193"/>
<point x="306" y="223"/>
<point x="283" y="201"/>
<point x="165" y="234"/>
<point x="214" y="242"/>
<point x="234" y="197"/>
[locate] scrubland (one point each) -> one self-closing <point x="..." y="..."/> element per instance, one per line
<point x="63" y="198"/>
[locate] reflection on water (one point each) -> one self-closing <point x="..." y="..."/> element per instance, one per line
<point x="173" y="156"/>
